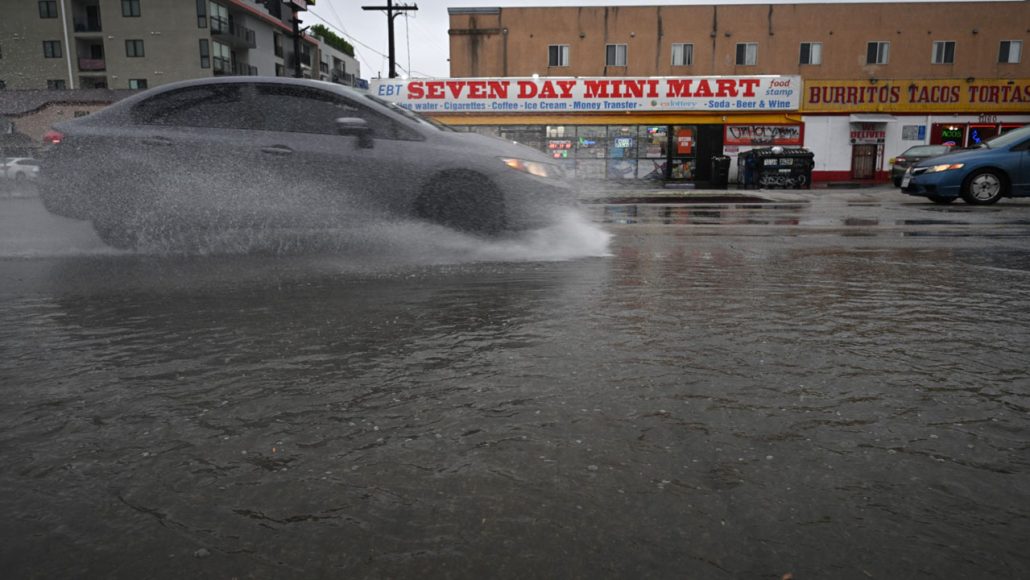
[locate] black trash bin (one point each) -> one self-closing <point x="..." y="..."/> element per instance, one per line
<point x="777" y="167"/>
<point x="720" y="172"/>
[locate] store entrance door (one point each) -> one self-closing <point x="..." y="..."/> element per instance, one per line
<point x="863" y="161"/>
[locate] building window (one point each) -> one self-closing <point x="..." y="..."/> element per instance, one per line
<point x="3" y="84"/>
<point x="943" y="52"/>
<point x="137" y="83"/>
<point x="222" y="57"/>
<point x="56" y="84"/>
<point x="682" y="54"/>
<point x="201" y="13"/>
<point x="130" y="7"/>
<point x="811" y="53"/>
<point x="52" y="49"/>
<point x="205" y="53"/>
<point x="877" y="53"/>
<point x="134" y="48"/>
<point x="747" y="53"/>
<point x="1010" y="51"/>
<point x="615" y="55"/>
<point x="277" y="42"/>
<point x="558" y="55"/>
<point x="48" y="9"/>
<point x="219" y="18"/>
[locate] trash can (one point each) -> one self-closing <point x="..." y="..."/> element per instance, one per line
<point x="720" y="172"/>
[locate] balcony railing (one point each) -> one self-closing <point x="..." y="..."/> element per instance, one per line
<point x="224" y="67"/>
<point x="92" y="64"/>
<point x="83" y="25"/>
<point x="235" y="34"/>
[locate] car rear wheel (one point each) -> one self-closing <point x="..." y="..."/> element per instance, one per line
<point x="941" y="200"/>
<point x="984" y="187"/>
<point x="464" y="201"/>
<point x="897" y="182"/>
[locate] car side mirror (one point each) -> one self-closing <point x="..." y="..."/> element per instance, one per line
<point x="357" y="127"/>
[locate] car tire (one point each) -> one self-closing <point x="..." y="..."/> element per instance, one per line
<point x="940" y="200"/>
<point x="19" y="177"/>
<point x="465" y="201"/>
<point x="117" y="235"/>
<point x="897" y="182"/>
<point x="984" y="187"/>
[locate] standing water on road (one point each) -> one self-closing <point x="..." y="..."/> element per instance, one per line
<point x="742" y="402"/>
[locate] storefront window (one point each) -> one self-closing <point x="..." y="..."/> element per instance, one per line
<point x="591" y="142"/>
<point x="622" y="152"/>
<point x="614" y="152"/>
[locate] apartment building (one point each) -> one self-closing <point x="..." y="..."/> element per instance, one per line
<point x="634" y="92"/>
<point x="136" y="44"/>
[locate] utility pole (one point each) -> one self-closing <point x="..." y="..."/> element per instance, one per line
<point x="297" y="6"/>
<point x="392" y="11"/>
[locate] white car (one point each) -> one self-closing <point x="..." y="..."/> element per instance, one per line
<point x="20" y="168"/>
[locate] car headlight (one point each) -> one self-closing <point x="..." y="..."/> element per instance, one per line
<point x="944" y="167"/>
<point x="534" y="168"/>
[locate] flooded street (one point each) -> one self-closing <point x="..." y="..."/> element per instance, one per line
<point x="829" y="386"/>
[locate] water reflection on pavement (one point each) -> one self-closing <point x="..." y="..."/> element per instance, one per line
<point x="730" y="404"/>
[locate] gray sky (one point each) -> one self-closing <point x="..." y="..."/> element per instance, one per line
<point x="421" y="38"/>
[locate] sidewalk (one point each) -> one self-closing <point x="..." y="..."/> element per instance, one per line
<point x="641" y="193"/>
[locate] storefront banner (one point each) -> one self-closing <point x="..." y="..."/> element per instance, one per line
<point x="590" y="94"/>
<point x="918" y="96"/>
<point x="763" y="135"/>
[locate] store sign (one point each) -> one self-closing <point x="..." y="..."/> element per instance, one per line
<point x="586" y="94"/>
<point x="763" y="135"/>
<point x="867" y="136"/>
<point x="906" y="96"/>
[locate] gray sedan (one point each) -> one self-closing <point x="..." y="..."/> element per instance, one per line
<point x="251" y="152"/>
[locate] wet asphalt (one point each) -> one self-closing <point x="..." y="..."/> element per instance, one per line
<point x="826" y="384"/>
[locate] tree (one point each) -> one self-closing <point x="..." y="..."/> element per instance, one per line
<point x="332" y="39"/>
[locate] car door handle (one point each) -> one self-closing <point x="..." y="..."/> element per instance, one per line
<point x="277" y="150"/>
<point x="161" y="141"/>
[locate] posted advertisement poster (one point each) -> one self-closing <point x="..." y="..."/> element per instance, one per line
<point x="592" y="94"/>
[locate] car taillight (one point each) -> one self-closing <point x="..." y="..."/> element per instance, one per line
<point x="52" y="137"/>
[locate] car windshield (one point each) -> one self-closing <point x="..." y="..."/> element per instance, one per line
<point x="927" y="150"/>
<point x="410" y="114"/>
<point x="1009" y="138"/>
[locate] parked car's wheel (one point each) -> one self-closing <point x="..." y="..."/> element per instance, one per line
<point x="464" y="201"/>
<point x="897" y="182"/>
<point x="984" y="187"/>
<point x="19" y="177"/>
<point x="941" y="200"/>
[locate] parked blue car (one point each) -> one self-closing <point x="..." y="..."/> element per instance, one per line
<point x="997" y="168"/>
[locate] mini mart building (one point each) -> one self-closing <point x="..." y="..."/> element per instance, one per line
<point x="668" y="129"/>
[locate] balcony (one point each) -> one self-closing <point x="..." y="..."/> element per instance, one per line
<point x="235" y="35"/>
<point x="88" y="25"/>
<point x="225" y="67"/>
<point x="92" y="64"/>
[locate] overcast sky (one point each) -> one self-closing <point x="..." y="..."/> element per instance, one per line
<point x="421" y="38"/>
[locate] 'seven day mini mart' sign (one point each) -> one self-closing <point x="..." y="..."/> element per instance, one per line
<point x="586" y="94"/>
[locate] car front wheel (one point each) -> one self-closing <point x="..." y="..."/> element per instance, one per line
<point x="984" y="187"/>
<point x="464" y="201"/>
<point x="117" y="235"/>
